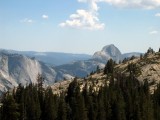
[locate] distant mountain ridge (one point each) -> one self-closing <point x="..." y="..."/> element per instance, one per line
<point x="51" y="58"/>
<point x="84" y="67"/>
<point x="128" y="55"/>
<point x="23" y="67"/>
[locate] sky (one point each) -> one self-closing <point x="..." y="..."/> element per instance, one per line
<point x="79" y="26"/>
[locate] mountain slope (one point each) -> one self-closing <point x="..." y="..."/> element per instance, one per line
<point x="81" y="68"/>
<point x="146" y="68"/>
<point x="16" y="69"/>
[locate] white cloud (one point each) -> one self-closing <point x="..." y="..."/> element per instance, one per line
<point x="144" y="4"/>
<point x="88" y="19"/>
<point x="27" y="20"/>
<point x="45" y="16"/>
<point x="153" y="32"/>
<point x="157" y="14"/>
<point x="92" y="4"/>
<point x="84" y="20"/>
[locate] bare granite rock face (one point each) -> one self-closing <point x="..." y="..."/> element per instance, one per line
<point x="18" y="69"/>
<point x="96" y="80"/>
<point x="147" y="68"/>
<point x="150" y="70"/>
<point x="108" y="52"/>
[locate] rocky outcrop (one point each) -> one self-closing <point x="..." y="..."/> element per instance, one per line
<point x="108" y="52"/>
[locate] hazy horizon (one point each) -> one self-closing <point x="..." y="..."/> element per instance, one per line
<point x="70" y="52"/>
<point x="79" y="26"/>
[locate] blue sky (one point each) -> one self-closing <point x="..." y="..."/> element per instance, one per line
<point x="79" y="26"/>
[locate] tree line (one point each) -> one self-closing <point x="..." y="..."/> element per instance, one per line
<point x="125" y="98"/>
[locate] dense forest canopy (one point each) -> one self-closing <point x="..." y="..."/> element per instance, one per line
<point x="124" y="99"/>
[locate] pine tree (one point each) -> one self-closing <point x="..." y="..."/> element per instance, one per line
<point x="101" y="106"/>
<point x="71" y="90"/>
<point x="76" y="101"/>
<point x="107" y="105"/>
<point x="33" y="110"/>
<point x="88" y="98"/>
<point x="10" y="108"/>
<point x="109" y="67"/>
<point x="20" y="99"/>
<point x="156" y="103"/>
<point x="141" y="56"/>
<point x="62" y="108"/>
<point x="40" y="81"/>
<point x="50" y="112"/>
<point x="146" y="105"/>
<point x="150" y="51"/>
<point x="1" y="111"/>
<point x="98" y="70"/>
<point x="81" y="113"/>
<point x="121" y="108"/>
